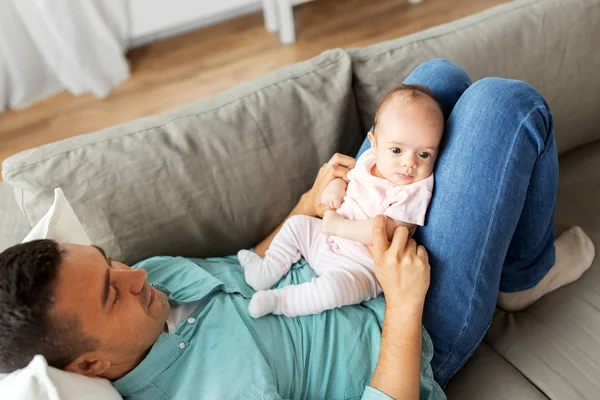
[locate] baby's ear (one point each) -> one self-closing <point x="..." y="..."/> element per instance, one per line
<point x="372" y="139"/>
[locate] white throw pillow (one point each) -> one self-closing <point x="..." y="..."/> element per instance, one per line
<point x="60" y="223"/>
<point x="38" y="381"/>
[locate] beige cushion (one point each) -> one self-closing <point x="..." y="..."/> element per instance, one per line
<point x="488" y="376"/>
<point x="552" y="44"/>
<point x="13" y="225"/>
<point x="204" y="180"/>
<point x="555" y="343"/>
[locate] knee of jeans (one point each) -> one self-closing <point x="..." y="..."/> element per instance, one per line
<point x="507" y="93"/>
<point x="510" y="95"/>
<point x="445" y="68"/>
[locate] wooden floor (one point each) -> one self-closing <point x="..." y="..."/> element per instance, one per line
<point x="190" y="67"/>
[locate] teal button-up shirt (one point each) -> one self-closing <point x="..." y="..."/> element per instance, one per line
<point x="221" y="353"/>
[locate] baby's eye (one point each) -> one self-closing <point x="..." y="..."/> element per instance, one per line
<point x="424" y="154"/>
<point x="396" y="150"/>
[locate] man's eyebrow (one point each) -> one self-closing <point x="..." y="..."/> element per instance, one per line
<point x="100" y="249"/>
<point x="106" y="287"/>
<point x="106" y="277"/>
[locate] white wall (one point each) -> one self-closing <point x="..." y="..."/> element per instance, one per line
<point x="153" y="19"/>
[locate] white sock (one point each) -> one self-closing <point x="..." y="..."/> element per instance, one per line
<point x="265" y="302"/>
<point x="260" y="272"/>
<point x="574" y="255"/>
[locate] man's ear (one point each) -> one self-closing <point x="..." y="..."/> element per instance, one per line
<point x="88" y="366"/>
<point x="372" y="139"/>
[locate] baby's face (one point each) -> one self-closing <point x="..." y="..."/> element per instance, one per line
<point x="407" y="139"/>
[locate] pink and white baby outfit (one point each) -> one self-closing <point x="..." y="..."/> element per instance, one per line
<point x="368" y="196"/>
<point x="344" y="267"/>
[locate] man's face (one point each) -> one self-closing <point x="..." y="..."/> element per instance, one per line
<point x="116" y="305"/>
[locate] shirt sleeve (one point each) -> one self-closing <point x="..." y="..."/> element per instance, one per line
<point x="374" y="394"/>
<point x="411" y="206"/>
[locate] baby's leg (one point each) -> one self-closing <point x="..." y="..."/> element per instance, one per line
<point x="335" y="288"/>
<point x="297" y="236"/>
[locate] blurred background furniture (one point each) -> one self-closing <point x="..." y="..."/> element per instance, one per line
<point x="279" y="16"/>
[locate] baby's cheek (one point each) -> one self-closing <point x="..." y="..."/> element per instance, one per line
<point x="386" y="162"/>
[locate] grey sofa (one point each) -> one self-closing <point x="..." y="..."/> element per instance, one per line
<point x="216" y="176"/>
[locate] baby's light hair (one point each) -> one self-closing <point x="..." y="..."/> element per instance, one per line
<point x="410" y="92"/>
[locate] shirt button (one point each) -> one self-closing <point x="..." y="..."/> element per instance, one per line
<point x="181" y="346"/>
<point x="191" y="320"/>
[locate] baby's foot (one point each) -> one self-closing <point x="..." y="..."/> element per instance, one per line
<point x="260" y="273"/>
<point x="263" y="303"/>
<point x="574" y="255"/>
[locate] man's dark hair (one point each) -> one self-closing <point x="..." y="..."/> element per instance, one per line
<point x="28" y="274"/>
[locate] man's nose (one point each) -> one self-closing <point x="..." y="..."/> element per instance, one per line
<point x="134" y="279"/>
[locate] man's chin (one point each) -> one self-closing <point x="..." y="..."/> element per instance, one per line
<point x="160" y="308"/>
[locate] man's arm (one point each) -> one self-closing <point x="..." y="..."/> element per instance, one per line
<point x="402" y="270"/>
<point x="398" y="371"/>
<point x="310" y="202"/>
<point x="361" y="231"/>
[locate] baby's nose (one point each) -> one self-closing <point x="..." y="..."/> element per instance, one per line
<point x="409" y="161"/>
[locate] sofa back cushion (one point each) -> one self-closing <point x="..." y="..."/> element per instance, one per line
<point x="552" y="44"/>
<point x="204" y="180"/>
<point x="13" y="225"/>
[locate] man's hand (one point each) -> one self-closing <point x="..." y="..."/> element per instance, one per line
<point x="402" y="270"/>
<point x="402" y="267"/>
<point x="334" y="194"/>
<point x="337" y="167"/>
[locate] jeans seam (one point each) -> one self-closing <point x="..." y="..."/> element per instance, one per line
<point x="487" y="240"/>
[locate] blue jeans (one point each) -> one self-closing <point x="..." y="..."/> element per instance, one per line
<point x="490" y="222"/>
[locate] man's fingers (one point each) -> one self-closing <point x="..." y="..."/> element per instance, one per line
<point x="380" y="242"/>
<point x="422" y="253"/>
<point x="343" y="160"/>
<point x="411" y="246"/>
<point x="339" y="171"/>
<point x="399" y="239"/>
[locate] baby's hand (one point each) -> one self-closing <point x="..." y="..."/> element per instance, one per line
<point x="331" y="222"/>
<point x="334" y="193"/>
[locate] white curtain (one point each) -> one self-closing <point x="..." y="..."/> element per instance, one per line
<point x="51" y="45"/>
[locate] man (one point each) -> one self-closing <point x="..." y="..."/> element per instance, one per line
<point x="179" y="328"/>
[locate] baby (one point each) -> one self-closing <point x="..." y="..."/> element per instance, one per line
<point x="393" y="178"/>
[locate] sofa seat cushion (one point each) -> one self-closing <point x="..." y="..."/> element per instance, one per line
<point x="555" y="343"/>
<point x="488" y="376"/>
<point x="207" y="179"/>
<point x="544" y="42"/>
